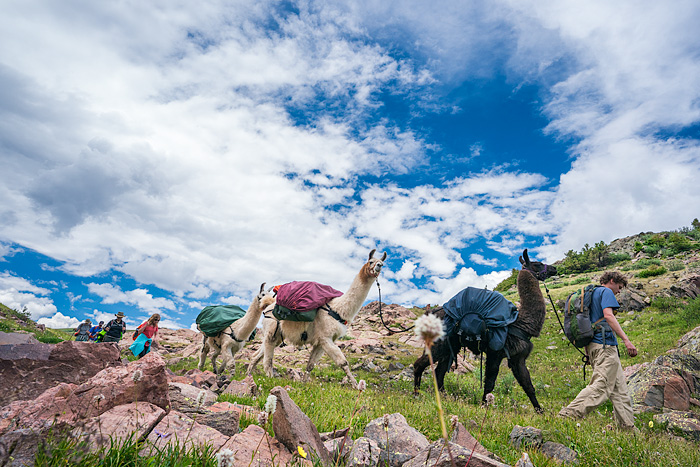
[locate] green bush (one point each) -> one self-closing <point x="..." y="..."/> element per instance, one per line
<point x="618" y="258"/>
<point x="580" y="280"/>
<point x="679" y="243"/>
<point x="656" y="240"/>
<point x="638" y="246"/>
<point x="675" y="265"/>
<point x="645" y="263"/>
<point x="691" y="313"/>
<point x="652" y="271"/>
<point x="652" y="250"/>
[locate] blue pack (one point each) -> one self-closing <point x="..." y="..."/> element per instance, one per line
<point x="480" y="315"/>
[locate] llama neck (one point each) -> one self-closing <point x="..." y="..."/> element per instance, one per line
<point x="532" y="307"/>
<point x="245" y="326"/>
<point x="349" y="304"/>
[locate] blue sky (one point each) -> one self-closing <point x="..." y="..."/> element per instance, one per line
<point x="162" y="157"/>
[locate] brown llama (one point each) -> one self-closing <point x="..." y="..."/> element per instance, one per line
<point x="517" y="345"/>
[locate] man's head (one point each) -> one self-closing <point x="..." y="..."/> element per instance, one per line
<point x="614" y="281"/>
<point x="120" y="315"/>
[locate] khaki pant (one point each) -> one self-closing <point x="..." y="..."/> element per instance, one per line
<point x="607" y="382"/>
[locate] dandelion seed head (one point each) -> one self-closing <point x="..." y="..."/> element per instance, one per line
<point x="200" y="398"/>
<point x="99" y="398"/>
<point x="271" y="404"/>
<point x="490" y="398"/>
<point x="226" y="458"/>
<point x="262" y="418"/>
<point x="429" y="328"/>
<point x="362" y="385"/>
<point x="137" y="376"/>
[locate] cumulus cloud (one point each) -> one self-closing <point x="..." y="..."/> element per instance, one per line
<point x="140" y="298"/>
<point x="59" y="321"/>
<point x="19" y="294"/>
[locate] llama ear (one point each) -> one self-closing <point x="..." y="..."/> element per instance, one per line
<point x="521" y="260"/>
<point x="371" y="253"/>
<point x="384" y="256"/>
<point x="272" y="287"/>
<point x="262" y="287"/>
<point x="527" y="258"/>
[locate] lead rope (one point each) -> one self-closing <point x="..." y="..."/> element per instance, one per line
<point x="584" y="357"/>
<point x="403" y="329"/>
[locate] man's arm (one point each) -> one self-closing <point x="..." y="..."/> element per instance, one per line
<point x="615" y="326"/>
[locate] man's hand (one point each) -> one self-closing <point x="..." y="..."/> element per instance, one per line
<point x="631" y="349"/>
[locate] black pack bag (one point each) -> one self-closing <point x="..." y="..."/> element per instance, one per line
<point x="577" y="317"/>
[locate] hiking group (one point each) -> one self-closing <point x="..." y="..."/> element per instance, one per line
<point x="144" y="336"/>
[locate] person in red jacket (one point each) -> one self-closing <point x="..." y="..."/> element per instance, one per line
<point x="150" y="329"/>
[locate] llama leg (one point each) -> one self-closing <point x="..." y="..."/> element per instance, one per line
<point x="227" y="362"/>
<point x="256" y="358"/>
<point x="493" y="364"/>
<point x="203" y="354"/>
<point x="522" y="375"/>
<point x="337" y="356"/>
<point x="214" y="356"/>
<point x="314" y="357"/>
<point x="419" y="367"/>
<point x="269" y="353"/>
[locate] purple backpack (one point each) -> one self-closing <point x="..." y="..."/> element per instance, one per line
<point x="305" y="296"/>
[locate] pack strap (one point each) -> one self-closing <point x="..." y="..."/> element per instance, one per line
<point x="584" y="356"/>
<point x="519" y="333"/>
<point x="381" y="317"/>
<point x="334" y="315"/>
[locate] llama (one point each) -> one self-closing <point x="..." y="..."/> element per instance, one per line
<point x="233" y="338"/>
<point x="517" y="346"/>
<point x="325" y="329"/>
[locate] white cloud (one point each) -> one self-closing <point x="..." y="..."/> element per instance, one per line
<point x="479" y="259"/>
<point x="59" y="321"/>
<point x="18" y="293"/>
<point x="139" y="297"/>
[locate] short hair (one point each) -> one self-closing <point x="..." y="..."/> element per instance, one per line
<point x="614" y="276"/>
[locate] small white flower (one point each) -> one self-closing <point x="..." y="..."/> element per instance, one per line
<point x="225" y="458"/>
<point x="271" y="404"/>
<point x="429" y="328"/>
<point x="200" y="398"/>
<point x="362" y="385"/>
<point x="99" y="398"/>
<point x="262" y="418"/>
<point x="490" y="398"/>
<point x="454" y="420"/>
<point x="137" y="376"/>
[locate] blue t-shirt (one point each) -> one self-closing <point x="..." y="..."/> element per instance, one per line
<point x="603" y="298"/>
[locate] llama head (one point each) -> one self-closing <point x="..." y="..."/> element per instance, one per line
<point x="265" y="297"/>
<point x="373" y="266"/>
<point x="540" y="270"/>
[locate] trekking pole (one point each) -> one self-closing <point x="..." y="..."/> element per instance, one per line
<point x="584" y="357"/>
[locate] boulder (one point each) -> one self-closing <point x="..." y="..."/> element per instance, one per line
<point x="685" y="423"/>
<point x="293" y="428"/>
<point x="461" y="436"/>
<point x="631" y="300"/>
<point x="404" y="441"/>
<point x="245" y="388"/>
<point x="177" y="429"/>
<point x="676" y="394"/>
<point x="14" y="338"/>
<point x="118" y="424"/>
<point x="225" y="422"/>
<point x="183" y="397"/>
<point x="526" y="436"/>
<point x="258" y="449"/>
<point x="364" y="453"/>
<point x="27" y="370"/>
<point x="646" y="387"/>
<point x="559" y="452"/>
<point x="73" y="404"/>
<point x="438" y="455"/>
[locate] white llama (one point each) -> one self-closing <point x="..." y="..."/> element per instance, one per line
<point x="233" y="338"/>
<point x="325" y="329"/>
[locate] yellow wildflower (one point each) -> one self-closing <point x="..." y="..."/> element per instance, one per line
<point x="301" y="452"/>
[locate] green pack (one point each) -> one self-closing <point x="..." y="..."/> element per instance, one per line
<point x="214" y="319"/>
<point x="283" y="313"/>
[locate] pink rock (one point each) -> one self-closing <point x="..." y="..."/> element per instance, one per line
<point x="461" y="436"/>
<point x="118" y="423"/>
<point x="245" y="387"/>
<point x="676" y="394"/>
<point x="254" y="447"/>
<point x="178" y="429"/>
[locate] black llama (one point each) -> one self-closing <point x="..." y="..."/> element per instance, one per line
<point x="517" y="345"/>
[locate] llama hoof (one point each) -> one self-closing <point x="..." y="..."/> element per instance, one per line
<point x="539" y="410"/>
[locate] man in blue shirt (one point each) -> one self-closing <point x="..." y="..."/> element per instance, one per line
<point x="607" y="381"/>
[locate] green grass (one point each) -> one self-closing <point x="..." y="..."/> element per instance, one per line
<point x="14" y="321"/>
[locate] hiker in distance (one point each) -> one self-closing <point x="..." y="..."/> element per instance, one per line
<point x="607" y="381"/>
<point x="114" y="329"/>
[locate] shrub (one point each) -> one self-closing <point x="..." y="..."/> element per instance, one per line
<point x="675" y="265"/>
<point x="691" y="313"/>
<point x="508" y="283"/>
<point x="618" y="258"/>
<point x="638" y="246"/>
<point x="656" y="240"/>
<point x="679" y="243"/>
<point x="652" y="271"/>
<point x="652" y="250"/>
<point x="580" y="280"/>
<point x="666" y="304"/>
<point x="645" y="263"/>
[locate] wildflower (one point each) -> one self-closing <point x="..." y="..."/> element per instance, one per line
<point x="99" y="398"/>
<point x="578" y="425"/>
<point x="262" y="418"/>
<point x="651" y="424"/>
<point x="386" y="421"/>
<point x="200" y="398"/>
<point x="454" y="420"/>
<point x="225" y="458"/>
<point x="362" y="385"/>
<point x="490" y="398"/>
<point x="301" y="452"/>
<point x="137" y="376"/>
<point x="271" y="404"/>
<point x="429" y="328"/>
